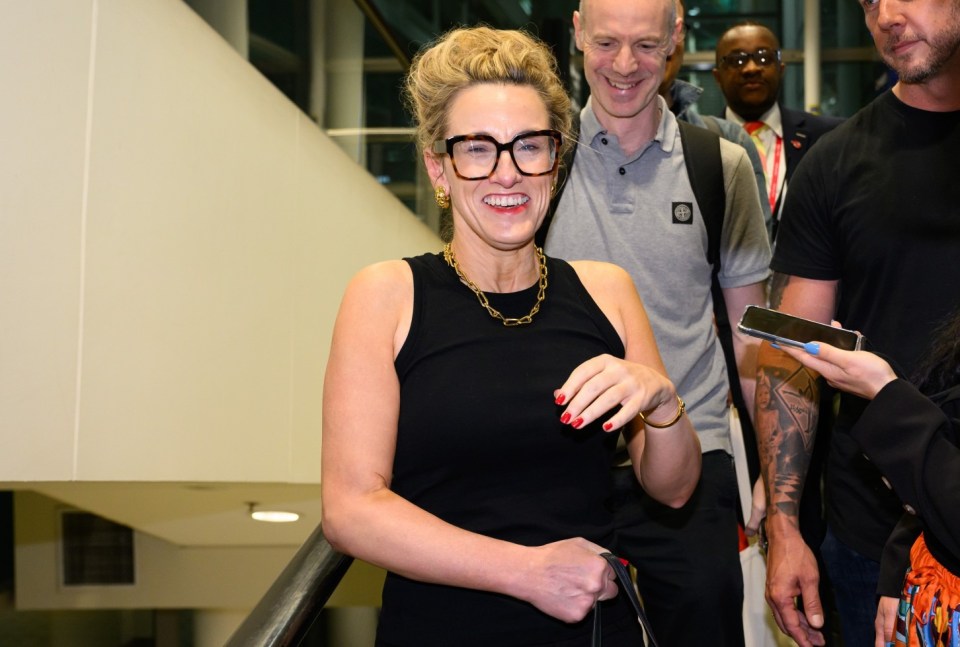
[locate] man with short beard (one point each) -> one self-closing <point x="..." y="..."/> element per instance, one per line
<point x="870" y="236"/>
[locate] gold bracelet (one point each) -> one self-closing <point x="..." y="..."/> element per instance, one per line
<point x="681" y="408"/>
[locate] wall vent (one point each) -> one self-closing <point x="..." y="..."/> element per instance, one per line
<point x="95" y="551"/>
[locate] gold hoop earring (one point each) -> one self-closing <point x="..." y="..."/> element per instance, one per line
<point x="440" y="195"/>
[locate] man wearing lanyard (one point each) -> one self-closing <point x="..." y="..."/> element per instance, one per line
<point x="749" y="69"/>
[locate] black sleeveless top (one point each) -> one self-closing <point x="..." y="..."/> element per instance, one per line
<point x="480" y="445"/>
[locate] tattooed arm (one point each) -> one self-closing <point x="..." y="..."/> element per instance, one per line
<point x="787" y="400"/>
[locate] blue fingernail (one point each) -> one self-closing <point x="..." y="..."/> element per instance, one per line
<point x="812" y="347"/>
<point x="774" y="344"/>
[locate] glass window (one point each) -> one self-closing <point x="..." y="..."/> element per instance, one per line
<point x="850" y="73"/>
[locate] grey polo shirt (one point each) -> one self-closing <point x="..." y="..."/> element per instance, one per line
<point x="639" y="212"/>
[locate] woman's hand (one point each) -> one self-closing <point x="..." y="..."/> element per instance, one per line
<point x="605" y="382"/>
<point x="857" y="372"/>
<point x="567" y="577"/>
<point x="665" y="451"/>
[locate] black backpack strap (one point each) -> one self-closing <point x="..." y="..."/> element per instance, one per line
<point x="566" y="165"/>
<point x="701" y="154"/>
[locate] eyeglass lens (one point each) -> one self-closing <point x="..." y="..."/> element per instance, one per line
<point x="476" y="156"/>
<point x="762" y="57"/>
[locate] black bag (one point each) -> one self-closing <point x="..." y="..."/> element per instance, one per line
<point x="626" y="588"/>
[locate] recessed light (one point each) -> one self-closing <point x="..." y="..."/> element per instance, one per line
<point x="272" y="516"/>
<point x="275" y="516"/>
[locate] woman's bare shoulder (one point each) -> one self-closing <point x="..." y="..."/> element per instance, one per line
<point x="385" y="274"/>
<point x="385" y="281"/>
<point x="379" y="302"/>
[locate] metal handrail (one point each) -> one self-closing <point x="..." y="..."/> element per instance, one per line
<point x="293" y="602"/>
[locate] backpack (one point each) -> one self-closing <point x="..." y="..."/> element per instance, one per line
<point x="701" y="155"/>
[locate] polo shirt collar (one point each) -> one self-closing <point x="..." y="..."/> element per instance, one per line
<point x="591" y="129"/>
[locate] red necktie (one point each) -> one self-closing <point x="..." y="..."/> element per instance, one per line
<point x="771" y="167"/>
<point x="753" y="129"/>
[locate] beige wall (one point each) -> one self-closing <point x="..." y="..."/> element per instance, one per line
<point x="174" y="240"/>
<point x="167" y="576"/>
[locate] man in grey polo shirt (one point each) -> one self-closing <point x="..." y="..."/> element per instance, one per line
<point x="628" y="200"/>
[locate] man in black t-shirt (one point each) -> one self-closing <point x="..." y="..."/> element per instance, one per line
<point x="870" y="236"/>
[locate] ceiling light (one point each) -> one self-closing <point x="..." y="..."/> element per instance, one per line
<point x="272" y="516"/>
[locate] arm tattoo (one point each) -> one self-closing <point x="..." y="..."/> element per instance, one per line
<point x="786" y="424"/>
<point x="777" y="285"/>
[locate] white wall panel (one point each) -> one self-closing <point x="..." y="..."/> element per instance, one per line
<point x="45" y="47"/>
<point x="175" y="238"/>
<point x="188" y="311"/>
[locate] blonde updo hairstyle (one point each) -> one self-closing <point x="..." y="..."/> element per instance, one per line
<point x="466" y="56"/>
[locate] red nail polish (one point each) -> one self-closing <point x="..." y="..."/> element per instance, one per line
<point x="623" y="561"/>
<point x="565" y="418"/>
<point x="607" y="426"/>
<point x="560" y="399"/>
<point x="576" y="423"/>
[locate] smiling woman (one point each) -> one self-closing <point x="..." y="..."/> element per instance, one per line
<point x="496" y="204"/>
<point x="473" y="397"/>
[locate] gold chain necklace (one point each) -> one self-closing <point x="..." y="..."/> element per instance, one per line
<point x="507" y="321"/>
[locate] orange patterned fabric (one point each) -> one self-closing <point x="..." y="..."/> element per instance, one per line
<point x="928" y="615"/>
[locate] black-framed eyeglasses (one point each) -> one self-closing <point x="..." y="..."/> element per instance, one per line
<point x="762" y="57"/>
<point x="475" y="157"/>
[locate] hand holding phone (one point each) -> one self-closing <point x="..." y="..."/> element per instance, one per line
<point x="781" y="328"/>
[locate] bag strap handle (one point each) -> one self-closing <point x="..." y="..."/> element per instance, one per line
<point x="626" y="588"/>
<point x="597" y="640"/>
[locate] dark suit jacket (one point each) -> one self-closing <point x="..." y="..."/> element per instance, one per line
<point x="801" y="130"/>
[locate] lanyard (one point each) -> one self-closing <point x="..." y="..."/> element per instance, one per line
<point x="775" y="173"/>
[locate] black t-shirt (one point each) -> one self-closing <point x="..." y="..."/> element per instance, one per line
<point x="480" y="445"/>
<point x="875" y="204"/>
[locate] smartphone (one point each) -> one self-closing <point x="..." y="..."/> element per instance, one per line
<point x="793" y="331"/>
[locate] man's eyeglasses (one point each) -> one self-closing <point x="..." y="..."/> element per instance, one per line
<point x="762" y="57"/>
<point x="475" y="157"/>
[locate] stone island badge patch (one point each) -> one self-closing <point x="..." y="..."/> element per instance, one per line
<point x="683" y="213"/>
